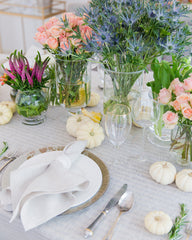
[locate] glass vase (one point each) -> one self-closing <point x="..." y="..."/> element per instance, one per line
<point x="181" y="144"/>
<point x="74" y="83"/>
<point x="158" y="134"/>
<point x="121" y="87"/>
<point x="32" y="106"/>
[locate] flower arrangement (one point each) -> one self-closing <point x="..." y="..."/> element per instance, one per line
<point x="66" y="39"/>
<point x="130" y="34"/>
<point x="178" y="97"/>
<point x="31" y="101"/>
<point x="21" y="76"/>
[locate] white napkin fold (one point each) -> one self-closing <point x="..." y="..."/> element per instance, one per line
<point x="41" y="190"/>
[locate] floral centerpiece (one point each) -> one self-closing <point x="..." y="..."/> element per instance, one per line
<point x="31" y="101"/>
<point x="164" y="73"/>
<point x="128" y="35"/>
<point x="178" y="117"/>
<point x="66" y="39"/>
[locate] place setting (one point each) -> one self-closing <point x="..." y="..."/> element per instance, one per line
<point x="95" y="125"/>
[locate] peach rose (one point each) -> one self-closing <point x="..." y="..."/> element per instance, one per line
<point x="183" y="98"/>
<point x="187" y="112"/>
<point x="164" y="96"/>
<point x="52" y="22"/>
<point x="55" y="31"/>
<point x="188" y="84"/>
<point x="176" y="105"/>
<point x="64" y="44"/>
<point x="41" y="37"/>
<point x="170" y="119"/>
<point x="52" y="42"/>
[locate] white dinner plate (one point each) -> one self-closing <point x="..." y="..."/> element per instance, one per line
<point x="92" y="168"/>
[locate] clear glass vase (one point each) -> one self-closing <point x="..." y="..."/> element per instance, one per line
<point x="32" y="106"/>
<point x="181" y="144"/>
<point x="74" y="83"/>
<point x="121" y="87"/>
<point x="158" y="134"/>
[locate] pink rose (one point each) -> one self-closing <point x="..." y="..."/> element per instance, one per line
<point x="187" y="113"/>
<point x="52" y="42"/>
<point x="183" y="98"/>
<point x="174" y="83"/>
<point x="41" y="29"/>
<point x="64" y="44"/>
<point x="55" y="31"/>
<point x="41" y="37"/>
<point x="52" y="22"/>
<point x="179" y="89"/>
<point x="170" y="119"/>
<point x="176" y="105"/>
<point x="164" y="96"/>
<point x="188" y="84"/>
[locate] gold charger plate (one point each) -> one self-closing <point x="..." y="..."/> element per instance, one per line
<point x="104" y="171"/>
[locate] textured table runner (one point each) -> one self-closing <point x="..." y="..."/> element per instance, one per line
<point x="123" y="168"/>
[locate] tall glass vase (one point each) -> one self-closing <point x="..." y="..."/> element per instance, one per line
<point x="121" y="87"/>
<point x="181" y="144"/>
<point x="74" y="83"/>
<point x="158" y="133"/>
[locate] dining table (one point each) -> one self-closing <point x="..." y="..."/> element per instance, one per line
<point x="123" y="167"/>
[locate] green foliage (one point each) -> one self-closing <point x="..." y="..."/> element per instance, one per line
<point x="165" y="72"/>
<point x="4" y="149"/>
<point x="179" y="222"/>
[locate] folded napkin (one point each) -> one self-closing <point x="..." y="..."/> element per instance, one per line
<point x="41" y="190"/>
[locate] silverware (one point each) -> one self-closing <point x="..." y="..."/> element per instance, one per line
<point x="89" y="230"/>
<point x="125" y="203"/>
<point x="188" y="230"/>
<point x="9" y="160"/>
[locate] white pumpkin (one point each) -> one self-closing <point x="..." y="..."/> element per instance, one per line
<point x="73" y="123"/>
<point x="158" y="222"/>
<point x="91" y="132"/>
<point x="5" y="114"/>
<point x="163" y="172"/>
<point x="184" y="180"/>
<point x="10" y="105"/>
<point x="94" y="99"/>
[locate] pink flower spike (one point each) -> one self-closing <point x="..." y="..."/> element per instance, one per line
<point x="11" y="65"/>
<point x="9" y="73"/>
<point x="29" y="78"/>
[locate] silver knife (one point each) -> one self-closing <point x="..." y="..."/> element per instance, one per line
<point x="89" y="230"/>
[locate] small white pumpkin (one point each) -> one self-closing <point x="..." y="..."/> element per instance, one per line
<point x="158" y="222"/>
<point x="5" y="114"/>
<point x="94" y="99"/>
<point x="10" y="105"/>
<point x="73" y="123"/>
<point x="184" y="180"/>
<point x="163" y="172"/>
<point x="92" y="133"/>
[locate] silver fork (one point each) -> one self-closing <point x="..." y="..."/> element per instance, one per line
<point x="8" y="158"/>
<point x="188" y="230"/>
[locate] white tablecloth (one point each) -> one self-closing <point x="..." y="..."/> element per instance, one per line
<point x="149" y="195"/>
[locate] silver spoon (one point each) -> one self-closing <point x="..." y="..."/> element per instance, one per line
<point x="125" y="203"/>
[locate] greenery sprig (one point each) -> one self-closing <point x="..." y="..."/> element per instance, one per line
<point x="4" y="149"/>
<point x="179" y="222"/>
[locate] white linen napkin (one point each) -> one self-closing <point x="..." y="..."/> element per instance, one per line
<point x="41" y="190"/>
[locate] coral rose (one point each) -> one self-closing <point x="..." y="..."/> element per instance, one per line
<point x="170" y="119"/>
<point x="41" y="37"/>
<point x="176" y="105"/>
<point x="52" y="42"/>
<point x="164" y="96"/>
